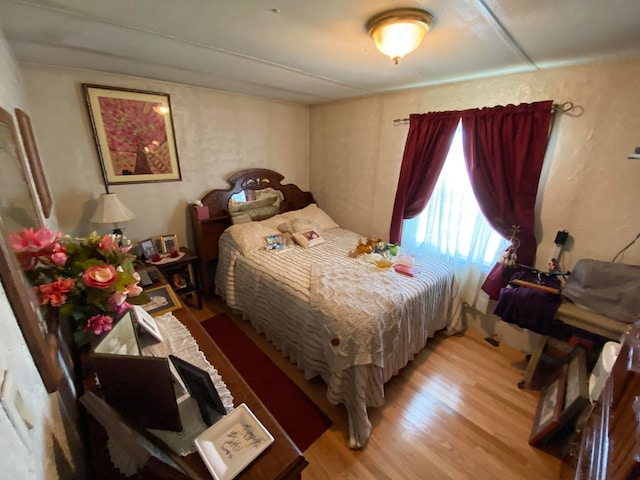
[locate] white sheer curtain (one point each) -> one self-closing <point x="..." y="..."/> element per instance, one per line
<point x="452" y="225"/>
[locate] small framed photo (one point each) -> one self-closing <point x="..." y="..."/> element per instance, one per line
<point x="163" y="300"/>
<point x="147" y="322"/>
<point x="169" y="243"/>
<point x="180" y="279"/>
<point x="148" y="249"/>
<point x="201" y="388"/>
<point x="550" y="407"/>
<point x="576" y="394"/>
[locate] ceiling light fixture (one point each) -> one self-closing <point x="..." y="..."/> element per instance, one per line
<point x="399" y="31"/>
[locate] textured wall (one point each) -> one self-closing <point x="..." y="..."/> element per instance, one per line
<point x="217" y="134"/>
<point x="18" y="461"/>
<point x="588" y="187"/>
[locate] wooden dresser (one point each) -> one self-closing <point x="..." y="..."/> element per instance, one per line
<point x="283" y="460"/>
<point x="610" y="447"/>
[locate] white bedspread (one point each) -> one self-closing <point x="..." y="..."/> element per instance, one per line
<point x="352" y="323"/>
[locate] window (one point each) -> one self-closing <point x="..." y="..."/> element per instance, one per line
<point x="453" y="225"/>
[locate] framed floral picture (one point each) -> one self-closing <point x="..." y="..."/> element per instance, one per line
<point x="134" y="134"/>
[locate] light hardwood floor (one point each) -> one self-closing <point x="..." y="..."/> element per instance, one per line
<point x="454" y="412"/>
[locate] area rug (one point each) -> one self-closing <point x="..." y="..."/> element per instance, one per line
<point x="303" y="421"/>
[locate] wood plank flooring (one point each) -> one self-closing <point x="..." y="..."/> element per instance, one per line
<point x="454" y="412"/>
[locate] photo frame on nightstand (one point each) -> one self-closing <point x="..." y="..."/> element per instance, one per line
<point x="169" y="243"/>
<point x="148" y="248"/>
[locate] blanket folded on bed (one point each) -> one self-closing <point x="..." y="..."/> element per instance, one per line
<point x="359" y="308"/>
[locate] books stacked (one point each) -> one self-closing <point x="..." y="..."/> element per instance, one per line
<point x="275" y="243"/>
<point x="308" y="239"/>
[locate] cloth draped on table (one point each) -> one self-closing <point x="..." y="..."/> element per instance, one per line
<point x="528" y="307"/>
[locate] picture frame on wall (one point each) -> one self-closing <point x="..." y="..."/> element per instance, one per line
<point x="134" y="134"/>
<point x="41" y="336"/>
<point x="169" y="243"/>
<point x="33" y="157"/>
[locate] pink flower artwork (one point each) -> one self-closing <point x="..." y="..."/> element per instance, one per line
<point x="136" y="136"/>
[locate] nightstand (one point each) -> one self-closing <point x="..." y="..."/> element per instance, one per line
<point x="183" y="275"/>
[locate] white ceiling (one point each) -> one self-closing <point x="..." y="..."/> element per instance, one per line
<point x="314" y="51"/>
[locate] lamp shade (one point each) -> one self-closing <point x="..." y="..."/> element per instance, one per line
<point x="400" y="31"/>
<point x="111" y="210"/>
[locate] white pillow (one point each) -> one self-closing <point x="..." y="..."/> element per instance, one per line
<point x="250" y="236"/>
<point x="316" y="216"/>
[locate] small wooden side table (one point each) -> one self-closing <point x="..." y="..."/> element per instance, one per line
<point x="183" y="275"/>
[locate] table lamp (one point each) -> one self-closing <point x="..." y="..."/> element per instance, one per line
<point x="112" y="210"/>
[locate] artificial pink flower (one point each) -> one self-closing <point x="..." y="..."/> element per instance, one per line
<point x="133" y="290"/>
<point x="99" y="324"/>
<point x="55" y="293"/>
<point x="117" y="299"/>
<point x="59" y="255"/>
<point x="100" y="276"/>
<point x="37" y="248"/>
<point x="108" y="244"/>
<point x="33" y="240"/>
<point x="122" y="308"/>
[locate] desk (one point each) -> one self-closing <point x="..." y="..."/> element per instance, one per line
<point x="281" y="461"/>
<point x="570" y="314"/>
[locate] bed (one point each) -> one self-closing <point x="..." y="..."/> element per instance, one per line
<point x="341" y="318"/>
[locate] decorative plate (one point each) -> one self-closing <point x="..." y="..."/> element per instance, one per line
<point x="232" y="443"/>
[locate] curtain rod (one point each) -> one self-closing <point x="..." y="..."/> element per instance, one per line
<point x="555" y="108"/>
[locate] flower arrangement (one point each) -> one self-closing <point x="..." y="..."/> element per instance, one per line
<point x="90" y="280"/>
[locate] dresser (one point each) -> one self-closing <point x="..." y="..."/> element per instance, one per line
<point x="281" y="461"/>
<point x="610" y="446"/>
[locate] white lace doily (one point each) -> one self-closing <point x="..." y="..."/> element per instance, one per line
<point x="179" y="342"/>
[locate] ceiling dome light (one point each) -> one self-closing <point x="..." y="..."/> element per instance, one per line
<point x="400" y="31"/>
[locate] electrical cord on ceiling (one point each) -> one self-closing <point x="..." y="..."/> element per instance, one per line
<point x="625" y="248"/>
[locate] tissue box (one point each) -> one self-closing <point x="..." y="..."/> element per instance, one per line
<point x="202" y="212"/>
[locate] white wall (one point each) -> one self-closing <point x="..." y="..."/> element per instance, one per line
<point x="217" y="134"/>
<point x="588" y="187"/>
<point x="17" y="461"/>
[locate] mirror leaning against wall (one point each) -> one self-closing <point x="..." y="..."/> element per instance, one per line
<point x="17" y="212"/>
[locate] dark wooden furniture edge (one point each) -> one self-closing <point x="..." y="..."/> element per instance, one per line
<point x="283" y="460"/>
<point x="283" y="456"/>
<point x="255" y="179"/>
<point x="206" y="232"/>
<point x="610" y="446"/>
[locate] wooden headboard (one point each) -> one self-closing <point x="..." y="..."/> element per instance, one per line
<point x="214" y="218"/>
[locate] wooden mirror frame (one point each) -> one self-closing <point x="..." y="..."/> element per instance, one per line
<point x="42" y="346"/>
<point x="217" y="201"/>
<point x="208" y="228"/>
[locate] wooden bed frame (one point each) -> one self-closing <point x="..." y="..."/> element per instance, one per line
<point x="207" y="231"/>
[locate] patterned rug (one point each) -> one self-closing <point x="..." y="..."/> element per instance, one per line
<point x="303" y="421"/>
